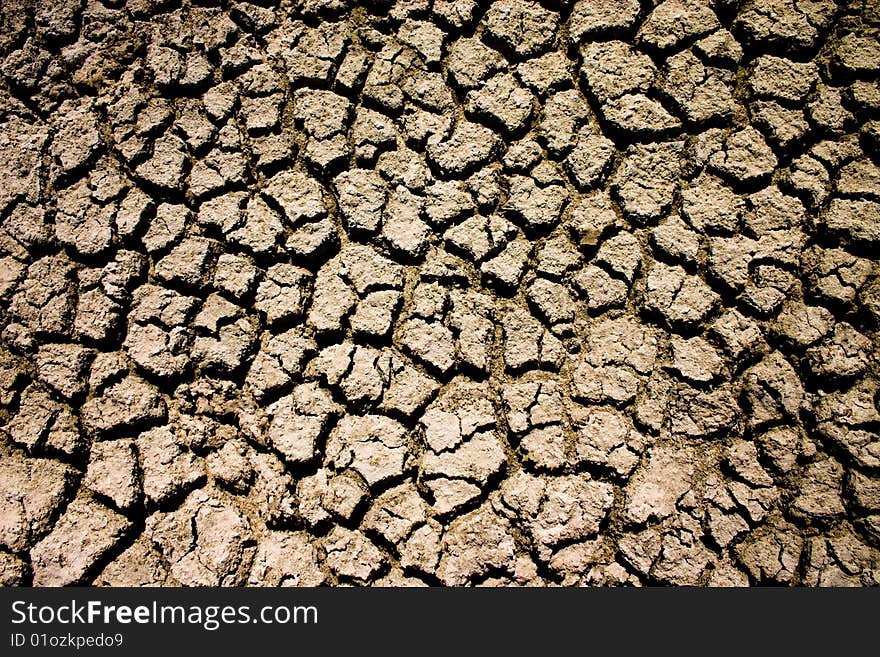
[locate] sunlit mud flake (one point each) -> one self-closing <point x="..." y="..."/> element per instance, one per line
<point x="701" y="93"/>
<point x="344" y="495"/>
<point x="166" y="167"/>
<point x="429" y="342"/>
<point x="675" y="240"/>
<point x="525" y="28"/>
<point x="655" y="489"/>
<point x="695" y="359"/>
<point x="623" y="341"/>
<point x="785" y="24"/>
<point x="844" y="354"/>
<point x="322" y="113"/>
<point x="31" y="492"/>
<point x="162" y="306"/>
<point x="449" y="496"/>
<point x="223" y="213"/>
<point x="298" y="195"/>
<point x="113" y="472"/>
<point x="421" y="551"/>
<point x="167" y="226"/>
<point x="372" y="134"/>
<point x="227" y="348"/>
<point x="607" y="438"/>
<point x="864" y="491"/>
<point x="298" y="421"/>
<point x="857" y="221"/>
<point x="396" y="512"/>
<point x="169" y="469"/>
<point x="646" y="181"/>
<point x="538" y="207"/>
<point x="425" y="37"/>
<point x="366" y="378"/>
<point x="442" y="429"/>
<point x="602" y="291"/>
<point x="261" y="229"/>
<point x="847" y="418"/>
<point x="529" y="345"/>
<point x="461" y="436"/>
<point x="230" y="467"/>
<point x="469" y="147"/>
<point x="622" y="255"/>
<point x="20" y="148"/>
<point x="429" y="91"/>
<point x="501" y="101"/>
<point x="590" y="159"/>
<point x="367" y="270"/>
<point x="479" y="237"/>
<point x="745" y="157"/>
<point x="573" y="508"/>
<point x="860" y="178"/>
<point x="207" y="541"/>
<point x="773" y="391"/>
<point x="82" y="224"/>
<point x="470" y="61"/>
<point x="408" y="388"/>
<point x="844" y="560"/>
<point x="819" y="497"/>
<point x="261" y="114"/>
<point x="507" y="268"/>
<point x="447" y="201"/>
<point x="350" y="554"/>
<point x="29" y="225"/>
<point x="64" y="368"/>
<point x="272" y="491"/>
<point x="546" y="73"/>
<point x="590" y="217"/>
<point x="403" y="228"/>
<point x="474" y="545"/>
<point x="704" y="414"/>
<point x="613" y="68"/>
<point x="128" y="403"/>
<point x="595" y="18"/>
<point x="782" y="78"/>
<point x="80" y="538"/>
<point x="674" y="21"/>
<point x="564" y="114"/>
<point x="536" y="416"/>
<point x="711" y="206"/>
<point x="187" y="263"/>
<point x="375" y="446"/>
<point x="681" y="299"/>
<point x="140" y="564"/>
<point x="772" y="553"/>
<point x="474" y="460"/>
<point x="160" y="352"/>
<point x="554" y="304"/>
<point x="282" y="294"/>
<point x="472" y="316"/>
<point x="311" y="54"/>
<point x="639" y="115"/>
<point x="286" y="558"/>
<point x="333" y="299"/>
<point x="375" y="313"/>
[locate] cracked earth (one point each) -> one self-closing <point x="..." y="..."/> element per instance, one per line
<point x="439" y="292"/>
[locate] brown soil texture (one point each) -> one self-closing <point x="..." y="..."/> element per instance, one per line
<point x="439" y="292"/>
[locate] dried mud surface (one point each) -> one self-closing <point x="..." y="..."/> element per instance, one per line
<point x="439" y="292"/>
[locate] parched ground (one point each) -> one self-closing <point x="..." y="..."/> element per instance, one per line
<point x="439" y="292"/>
